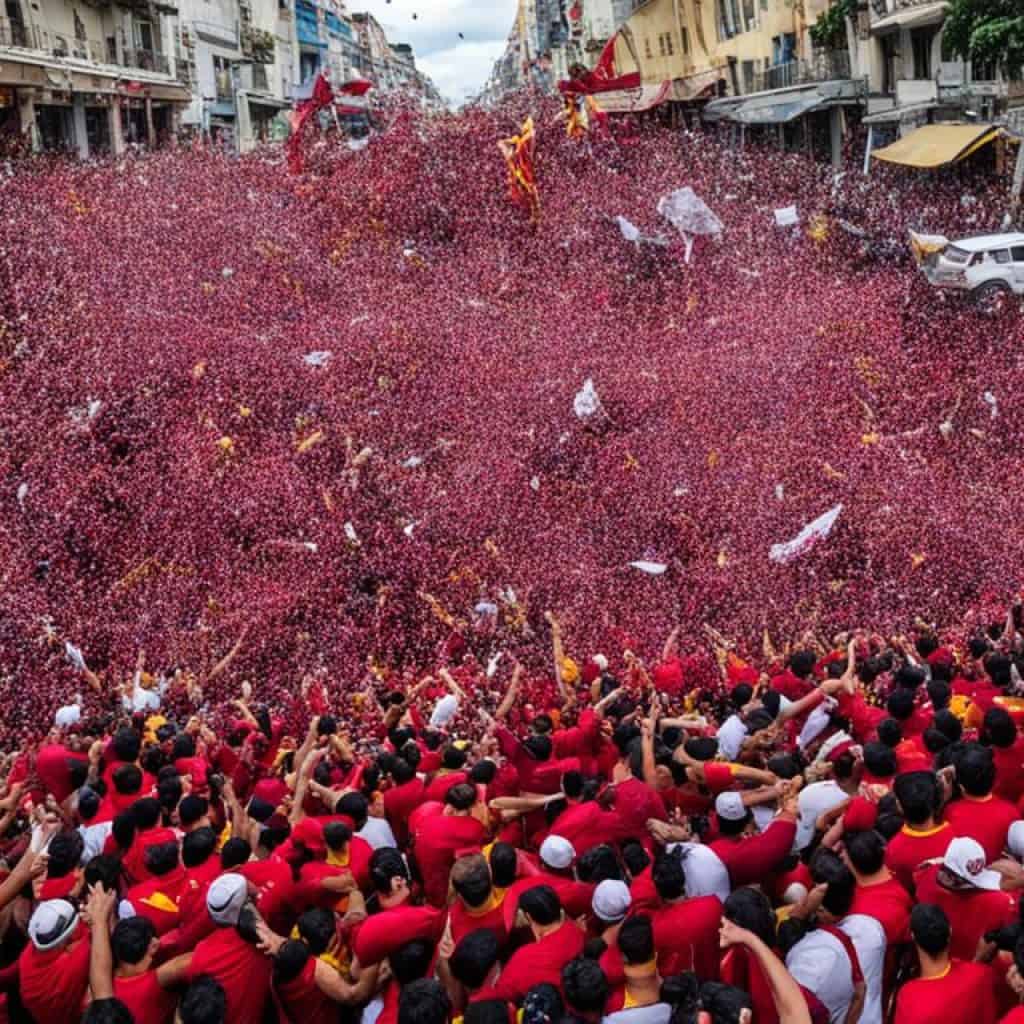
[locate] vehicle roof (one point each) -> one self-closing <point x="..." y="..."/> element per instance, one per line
<point x="983" y="242"/>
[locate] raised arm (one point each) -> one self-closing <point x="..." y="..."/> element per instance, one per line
<point x="225" y="663"/>
<point x="101" y="958"/>
<point x="508" y="701"/>
<point x="557" y="651"/>
<point x="790" y="1004"/>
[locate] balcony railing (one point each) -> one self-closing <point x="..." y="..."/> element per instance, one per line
<point x="146" y="60"/>
<point x="14" y="33"/>
<point x="824" y="66"/>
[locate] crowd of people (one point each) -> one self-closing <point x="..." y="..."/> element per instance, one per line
<point x="830" y="833"/>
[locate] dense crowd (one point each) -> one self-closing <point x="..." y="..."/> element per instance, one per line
<point x="832" y="835"/>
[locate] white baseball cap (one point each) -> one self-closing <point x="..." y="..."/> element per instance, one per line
<point x="611" y="900"/>
<point x="70" y="714"/>
<point x="225" y="899"/>
<point x="52" y="923"/>
<point x="706" y="874"/>
<point x="557" y="852"/>
<point x="965" y="858"/>
<point x="1015" y="839"/>
<point x="444" y="711"/>
<point x="730" y="806"/>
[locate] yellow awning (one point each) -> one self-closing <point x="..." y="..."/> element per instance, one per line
<point x="935" y="145"/>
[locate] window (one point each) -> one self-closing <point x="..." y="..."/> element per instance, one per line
<point x="1017" y="252"/>
<point x="749" y="14"/>
<point x="145" y="35"/>
<point x="921" y="44"/>
<point x="685" y="40"/>
<point x="647" y="48"/>
<point x="669" y="45"/>
<point x="748" y="76"/>
<point x="1001" y="255"/>
<point x="661" y="44"/>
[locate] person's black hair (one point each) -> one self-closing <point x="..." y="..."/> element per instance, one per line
<point x="289" y="961"/>
<point x="198" y="846"/>
<point x="926" y="644"/>
<point x="192" y="808"/>
<point x="504" y="863"/>
<point x="785" y="766"/>
<point x="801" y="663"/>
<point x="471" y="879"/>
<point x="401" y="735"/>
<point x="461" y="796"/>
<point x="934" y="740"/>
<point x="887" y="825"/>
<point x="424" y="1001"/>
<point x="542" y="724"/>
<point x="999" y="728"/>
<point x="844" y="765"/>
<point x="880" y="760"/>
<point x="433" y="739"/>
<point x="741" y="695"/>
<point x="78" y="772"/>
<point x="827" y="867"/>
<point x="572" y="784"/>
<point x="749" y="908"/>
<point x="598" y="864"/>
<point x="166" y="732"/>
<point x="772" y="703"/>
<point x="682" y="993"/>
<point x="248" y="923"/>
<point x="998" y="667"/>
<point x="127" y="779"/>
<point x="263" y="720"/>
<point x="929" y="928"/>
<point x="161" y="859"/>
<point x="623" y="736"/>
<point x="909" y="677"/>
<point x="486" y="1011"/>
<point x="734" y="826"/>
<point x="107" y="1011"/>
<point x="869" y="670"/>
<point x="701" y="748"/>
<point x="835" y="670"/>
<point x="411" y="961"/>
<point x="585" y="986"/>
<point x="976" y="770"/>
<point x="322" y="774"/>
<point x="316" y="929"/>
<point x="635" y="857"/>
<point x="918" y="794"/>
<point x="541" y="904"/>
<point x="726" y="1004"/>
<point x="88" y="803"/>
<point x="131" y="939"/>
<point x="668" y="876"/>
<point x="543" y="1004"/>
<point x="866" y="851"/>
<point x="65" y="853"/>
<point x="402" y="772"/>
<point x="259" y="810"/>
<point x="978" y="646"/>
<point x="949" y="725"/>
<point x="387" y="863"/>
<point x="453" y="757"/>
<point x="234" y="852"/>
<point x="758" y="719"/>
<point x="474" y="957"/>
<point x="127" y="744"/>
<point x="538" y="747"/>
<point x="791" y="931"/>
<point x="104" y="870"/>
<point x="168" y="792"/>
<point x="900" y="705"/>
<point x="636" y="940"/>
<point x="354" y="806"/>
<point x="483" y="773"/>
<point x="204" y="1002"/>
<point x="146" y="813"/>
<point x="336" y="835"/>
<point x="123" y="829"/>
<point x="327" y="725"/>
<point x="184" y="746"/>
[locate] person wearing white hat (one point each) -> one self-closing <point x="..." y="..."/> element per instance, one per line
<point x="558" y="854"/>
<point x="969" y="892"/>
<point x="69" y="714"/>
<point x="611" y="901"/>
<point x="749" y="859"/>
<point x="1015" y="840"/>
<point x="53" y="969"/>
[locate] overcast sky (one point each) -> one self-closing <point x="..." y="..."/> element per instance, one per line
<point x="459" y="67"/>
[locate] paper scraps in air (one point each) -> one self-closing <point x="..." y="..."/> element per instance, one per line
<point x="74" y="655"/>
<point x="786" y="217"/>
<point x="815" y="531"/>
<point x="319" y="358"/>
<point x="690" y="216"/>
<point x="651" y="568"/>
<point x="587" y="402"/>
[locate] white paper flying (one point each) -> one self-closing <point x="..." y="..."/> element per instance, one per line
<point x="813" y="532"/>
<point x="630" y="232"/>
<point x="990" y="400"/>
<point x="492" y="664"/>
<point x="651" y="568"/>
<point x="319" y="358"/>
<point x="22" y="494"/>
<point x="690" y="216"/>
<point x="444" y="711"/>
<point x="586" y="402"/>
<point x="786" y="217"/>
<point x="74" y="655"/>
<point x="350" y="533"/>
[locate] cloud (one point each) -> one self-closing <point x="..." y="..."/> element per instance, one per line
<point x="459" y="67"/>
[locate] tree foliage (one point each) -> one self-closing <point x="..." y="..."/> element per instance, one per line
<point x="829" y="31"/>
<point x="987" y="31"/>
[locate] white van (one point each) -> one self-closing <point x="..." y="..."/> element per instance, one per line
<point x="990" y="268"/>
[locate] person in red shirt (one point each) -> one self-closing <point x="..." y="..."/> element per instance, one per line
<point x="148" y="833"/>
<point x="947" y="990"/>
<point x="1015" y="981"/>
<point x="438" y="839"/>
<point x="978" y="813"/>
<point x="60" y="769"/>
<point x="922" y="836"/>
<point x="1000" y="732"/>
<point x="750" y="858"/>
<point x="796" y="680"/>
<point x="968" y="893"/>
<point x="473" y="966"/>
<point x="478" y="904"/>
<point x="685" y="930"/>
<point x="53" y="969"/>
<point x="146" y="990"/>
<point x="878" y="893"/>
<point x="402" y="798"/>
<point x="556" y="941"/>
<point x="451" y="773"/>
<point x="157" y="897"/>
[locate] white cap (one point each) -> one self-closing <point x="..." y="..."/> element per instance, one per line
<point x="70" y="714"/>
<point x="611" y="900"/>
<point x="706" y="875"/>
<point x="729" y="806"/>
<point x="600" y="661"/>
<point x="52" y="924"/>
<point x="557" y="852"/>
<point x="125" y="910"/>
<point x="965" y="858"/>
<point x="796" y="892"/>
<point x="444" y="711"/>
<point x="225" y="899"/>
<point x="1015" y="840"/>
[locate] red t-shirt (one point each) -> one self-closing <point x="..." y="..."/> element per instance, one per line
<point x="963" y="995"/>
<point x="462" y="920"/>
<point x="144" y="997"/>
<point x="156" y="899"/>
<point x="242" y="970"/>
<point x="381" y="934"/>
<point x="587" y="825"/>
<point x="748" y="859"/>
<point x="442" y="782"/>
<point x="53" y="984"/>
<point x="134" y="861"/>
<point x="635" y="804"/>
<point x="435" y="843"/>
<point x="910" y="847"/>
<point x="275" y="890"/>
<point x="889" y="903"/>
<point x="1009" y="770"/>
<point x="741" y="969"/>
<point x="52" y="767"/>
<point x="1015" y="1016"/>
<point x="302" y="1000"/>
<point x="986" y="819"/>
<point x="971" y="912"/>
<point x="686" y="937"/>
<point x="540" y="961"/>
<point x="399" y="803"/>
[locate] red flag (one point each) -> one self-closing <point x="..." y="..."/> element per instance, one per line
<point x="323" y="95"/>
<point x="522" y="180"/>
<point x="604" y="77"/>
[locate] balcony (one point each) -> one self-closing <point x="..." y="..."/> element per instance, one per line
<point x="14" y="33"/>
<point x="825" y="66"/>
<point x="146" y="60"/>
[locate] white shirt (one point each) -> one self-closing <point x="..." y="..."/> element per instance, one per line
<point x="731" y="734"/>
<point x="705" y="873"/>
<point x="94" y="837"/>
<point x="656" y="1013"/>
<point x="377" y="832"/>
<point x="815" y="800"/>
<point x="868" y="939"/>
<point x="819" y="963"/>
